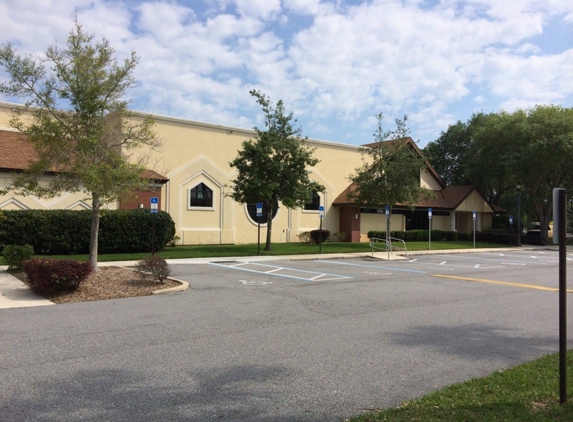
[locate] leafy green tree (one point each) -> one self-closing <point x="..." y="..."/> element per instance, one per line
<point x="275" y="166"/>
<point x="78" y="122"/>
<point x="491" y="159"/>
<point x="497" y="152"/>
<point x="543" y="160"/>
<point x="390" y="173"/>
<point x="460" y="160"/>
<point x="449" y="154"/>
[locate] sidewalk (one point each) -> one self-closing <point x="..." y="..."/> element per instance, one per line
<point x="15" y="294"/>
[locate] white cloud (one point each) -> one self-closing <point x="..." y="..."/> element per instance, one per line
<point x="258" y="8"/>
<point x="308" y="7"/>
<point x="335" y="64"/>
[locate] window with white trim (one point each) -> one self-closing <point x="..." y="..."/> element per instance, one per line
<point x="201" y="196"/>
<point x="314" y="202"/>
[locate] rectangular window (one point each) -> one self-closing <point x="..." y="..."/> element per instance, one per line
<point x="314" y="203"/>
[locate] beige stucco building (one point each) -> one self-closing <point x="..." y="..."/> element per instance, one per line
<point x="193" y="179"/>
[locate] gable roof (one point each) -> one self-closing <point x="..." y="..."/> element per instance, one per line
<point x="410" y="143"/>
<point x="449" y="198"/>
<point x="16" y="154"/>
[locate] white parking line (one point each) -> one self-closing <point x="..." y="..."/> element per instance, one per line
<point x="497" y="260"/>
<point x="280" y="272"/>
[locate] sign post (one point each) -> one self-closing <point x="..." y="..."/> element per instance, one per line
<point x="321" y="215"/>
<point x="388" y="242"/>
<point x="474" y="217"/>
<point x="153" y="205"/>
<point x="510" y="228"/>
<point x="559" y="237"/>
<point x="259" y="215"/>
<point x="430" y="229"/>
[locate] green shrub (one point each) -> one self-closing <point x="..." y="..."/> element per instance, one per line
<point x="49" y="275"/>
<point x="319" y="236"/>
<point x="174" y="241"/>
<point x="63" y="232"/>
<point x="304" y="237"/>
<point x="338" y="237"/>
<point x="421" y="235"/>
<point x="376" y="234"/>
<point x="14" y="255"/>
<point x="156" y="266"/>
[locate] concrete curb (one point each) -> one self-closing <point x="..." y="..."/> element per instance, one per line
<point x="184" y="286"/>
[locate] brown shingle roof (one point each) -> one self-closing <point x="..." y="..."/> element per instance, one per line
<point x="409" y="141"/>
<point x="16" y="154"/>
<point x="153" y="175"/>
<point x="448" y="198"/>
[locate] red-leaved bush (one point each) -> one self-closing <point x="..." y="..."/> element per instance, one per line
<point x="50" y="275"/>
<point x="319" y="236"/>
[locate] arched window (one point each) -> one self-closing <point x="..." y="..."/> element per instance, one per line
<point x="314" y="202"/>
<point x="201" y="196"/>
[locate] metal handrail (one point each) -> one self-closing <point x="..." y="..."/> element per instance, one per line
<point x="388" y="246"/>
<point x="391" y="239"/>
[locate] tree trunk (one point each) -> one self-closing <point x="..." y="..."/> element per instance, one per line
<point x="543" y="213"/>
<point x="94" y="231"/>
<point x="269" y="226"/>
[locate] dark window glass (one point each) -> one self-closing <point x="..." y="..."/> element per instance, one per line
<point x="252" y="210"/>
<point x="201" y="196"/>
<point x="314" y="202"/>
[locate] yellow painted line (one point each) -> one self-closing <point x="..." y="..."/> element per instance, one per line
<point x="503" y="283"/>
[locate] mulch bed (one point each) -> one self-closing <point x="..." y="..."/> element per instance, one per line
<point x="108" y="283"/>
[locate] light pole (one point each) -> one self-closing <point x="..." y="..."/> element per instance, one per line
<point x="518" y="186"/>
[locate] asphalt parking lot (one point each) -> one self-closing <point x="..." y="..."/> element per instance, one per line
<point x="282" y="340"/>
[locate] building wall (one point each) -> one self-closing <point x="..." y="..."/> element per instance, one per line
<point x="427" y="181"/>
<point x="142" y="199"/>
<point x="66" y="200"/>
<point x="377" y="222"/>
<point x="441" y="222"/>
<point x="196" y="152"/>
<point x="474" y="202"/>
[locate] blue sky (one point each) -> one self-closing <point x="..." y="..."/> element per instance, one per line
<point x="334" y="63"/>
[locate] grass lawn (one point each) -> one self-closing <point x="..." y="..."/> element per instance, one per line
<point x="528" y="392"/>
<point x="209" y="251"/>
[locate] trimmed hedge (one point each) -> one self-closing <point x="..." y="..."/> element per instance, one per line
<point x="66" y="232"/>
<point x="50" y="276"/>
<point x="422" y="235"/>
